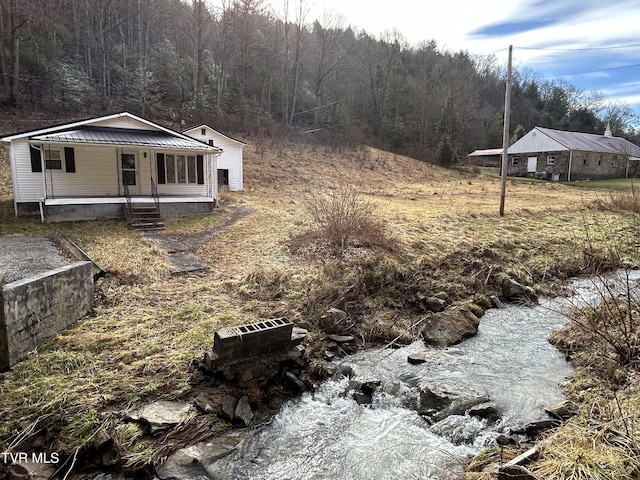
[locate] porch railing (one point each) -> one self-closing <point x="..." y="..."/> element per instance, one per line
<point x="154" y="194"/>
<point x="127" y="196"/>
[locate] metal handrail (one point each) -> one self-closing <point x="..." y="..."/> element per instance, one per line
<point x="154" y="194"/>
<point x="127" y="196"/>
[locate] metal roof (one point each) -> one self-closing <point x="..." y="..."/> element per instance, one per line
<point x="484" y="153"/>
<point x="592" y="143"/>
<point x="122" y="136"/>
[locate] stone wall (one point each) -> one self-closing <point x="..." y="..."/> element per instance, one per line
<point x="34" y="309"/>
<point x="584" y="165"/>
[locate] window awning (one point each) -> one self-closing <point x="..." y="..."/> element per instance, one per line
<point x="122" y="136"/>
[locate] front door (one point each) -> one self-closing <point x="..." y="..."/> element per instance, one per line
<point x="129" y="172"/>
<point x="532" y="164"/>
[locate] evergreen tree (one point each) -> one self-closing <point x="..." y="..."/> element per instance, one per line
<point x="446" y="155"/>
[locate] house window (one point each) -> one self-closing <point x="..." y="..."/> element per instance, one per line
<point x="203" y="131"/>
<point x="191" y="169"/>
<point x="183" y="169"/>
<point x="551" y="160"/>
<point x="53" y="158"/>
<point x="171" y="168"/>
<point x="515" y="160"/>
<point x="585" y="160"/>
<point x="614" y="162"/>
<point x="600" y="159"/>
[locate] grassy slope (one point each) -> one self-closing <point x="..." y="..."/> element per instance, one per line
<point x="149" y="327"/>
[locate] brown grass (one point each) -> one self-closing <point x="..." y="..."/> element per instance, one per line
<point x="149" y="328"/>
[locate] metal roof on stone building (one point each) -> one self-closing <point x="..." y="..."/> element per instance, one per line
<point x="555" y="140"/>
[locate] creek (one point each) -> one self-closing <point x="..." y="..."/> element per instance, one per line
<point x="328" y="435"/>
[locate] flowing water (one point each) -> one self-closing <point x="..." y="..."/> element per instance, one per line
<point x="328" y="435"/>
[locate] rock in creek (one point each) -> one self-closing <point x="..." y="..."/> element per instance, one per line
<point x="229" y="403"/>
<point x="195" y="462"/>
<point x="160" y="415"/>
<point x="564" y="409"/>
<point x="516" y="292"/>
<point x="450" y="327"/>
<point x="243" y="411"/>
<point x="363" y="394"/>
<point x="440" y="400"/>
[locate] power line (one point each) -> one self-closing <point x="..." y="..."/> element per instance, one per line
<point x="591" y="71"/>
<point x="613" y="47"/>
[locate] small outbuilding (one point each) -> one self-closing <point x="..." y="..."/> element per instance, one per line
<point x="229" y="161"/>
<point x="486" y="158"/>
<point x="564" y="156"/>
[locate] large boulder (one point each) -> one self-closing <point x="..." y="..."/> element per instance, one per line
<point x="450" y="327"/>
<point x="440" y="400"/>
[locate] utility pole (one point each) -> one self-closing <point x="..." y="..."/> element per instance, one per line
<point x="505" y="134"/>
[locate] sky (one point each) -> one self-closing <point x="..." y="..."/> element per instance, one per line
<point x="575" y="40"/>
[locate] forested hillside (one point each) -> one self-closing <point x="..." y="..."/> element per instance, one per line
<point x="238" y="63"/>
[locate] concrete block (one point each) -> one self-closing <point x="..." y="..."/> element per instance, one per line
<point x="253" y="339"/>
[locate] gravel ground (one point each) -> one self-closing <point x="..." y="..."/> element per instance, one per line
<point x="22" y="257"/>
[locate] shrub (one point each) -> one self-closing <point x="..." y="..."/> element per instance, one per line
<point x="343" y="217"/>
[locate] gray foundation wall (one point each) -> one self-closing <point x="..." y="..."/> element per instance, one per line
<point x="76" y="213"/>
<point x="35" y="309"/>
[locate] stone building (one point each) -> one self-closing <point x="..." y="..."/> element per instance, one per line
<point x="564" y="156"/>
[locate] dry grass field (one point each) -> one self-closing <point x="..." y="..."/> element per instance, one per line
<point x="442" y="235"/>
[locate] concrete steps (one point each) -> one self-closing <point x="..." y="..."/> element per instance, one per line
<point x="146" y="218"/>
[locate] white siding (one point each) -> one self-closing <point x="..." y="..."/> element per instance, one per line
<point x="124" y="122"/>
<point x="535" y="141"/>
<point x="230" y="159"/>
<point x="96" y="174"/>
<point x="27" y="185"/>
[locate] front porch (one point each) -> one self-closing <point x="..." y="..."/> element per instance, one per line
<point x="72" y="209"/>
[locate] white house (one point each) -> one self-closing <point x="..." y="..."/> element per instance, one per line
<point x="101" y="167"/>
<point x="229" y="161"/>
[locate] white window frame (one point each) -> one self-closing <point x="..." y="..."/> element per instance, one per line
<point x="47" y="158"/>
<point x="184" y="169"/>
<point x="515" y="161"/>
<point x="551" y="159"/>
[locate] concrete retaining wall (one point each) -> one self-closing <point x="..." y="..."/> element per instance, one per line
<point x="35" y="309"/>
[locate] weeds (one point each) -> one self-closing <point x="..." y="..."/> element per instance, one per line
<point x="344" y="217"/>
<point x="602" y="339"/>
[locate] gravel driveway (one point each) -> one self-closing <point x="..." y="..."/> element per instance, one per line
<point x="22" y="257"/>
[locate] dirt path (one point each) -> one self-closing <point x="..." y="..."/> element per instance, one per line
<point x="199" y="238"/>
<point x="181" y="259"/>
